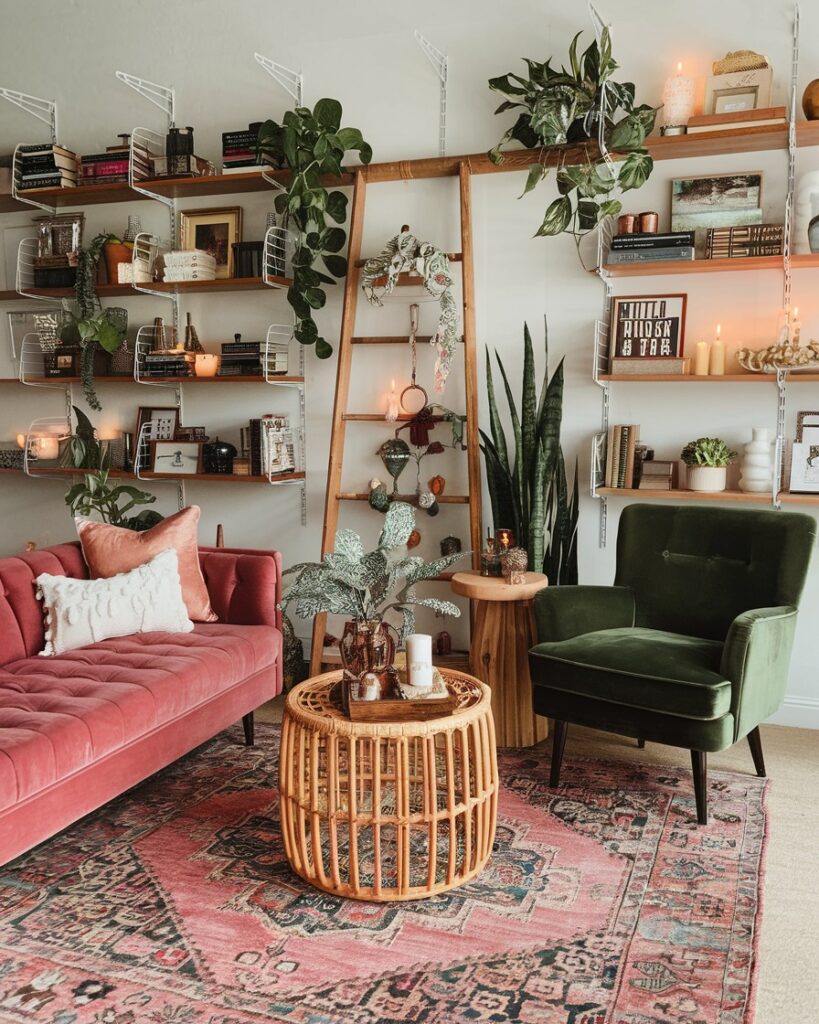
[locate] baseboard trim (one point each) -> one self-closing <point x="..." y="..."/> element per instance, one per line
<point x="798" y="712"/>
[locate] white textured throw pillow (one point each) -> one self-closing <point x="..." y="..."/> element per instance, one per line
<point x="147" y="599"/>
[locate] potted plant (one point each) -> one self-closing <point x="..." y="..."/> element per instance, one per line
<point x="707" y="460"/>
<point x="95" y="331"/>
<point x="93" y="496"/>
<point x="366" y="587"/>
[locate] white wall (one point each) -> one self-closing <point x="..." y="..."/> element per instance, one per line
<point x="363" y="53"/>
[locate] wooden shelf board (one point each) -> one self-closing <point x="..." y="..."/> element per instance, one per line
<point x="400" y="339"/>
<point x="799" y="499"/>
<point x="228" y="284"/>
<point x="802" y="261"/>
<point x="443" y="499"/>
<point x="453" y="257"/>
<point x="690" y="378"/>
<point x="684" y="495"/>
<point x="224" y="477"/>
<point x="88" y="195"/>
<point x="128" y="379"/>
<point x="374" y="417"/>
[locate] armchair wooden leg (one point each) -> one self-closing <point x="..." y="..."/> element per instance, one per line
<point x="641" y="744"/>
<point x="699" y="768"/>
<point x="755" y="743"/>
<point x="247" y="723"/>
<point x="558" y="746"/>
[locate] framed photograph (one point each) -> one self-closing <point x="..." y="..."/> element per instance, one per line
<point x="804" y="468"/>
<point x="215" y="232"/>
<point x="163" y="425"/>
<point x="737" y="91"/>
<point x="176" y="458"/>
<point x="648" y="326"/>
<point x="716" y="201"/>
<point x="190" y="434"/>
<point x="807" y="427"/>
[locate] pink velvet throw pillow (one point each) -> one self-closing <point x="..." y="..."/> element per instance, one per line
<point x="110" y="550"/>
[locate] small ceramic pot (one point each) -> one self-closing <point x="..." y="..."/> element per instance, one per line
<point x="757" y="464"/>
<point x="707" y="478"/>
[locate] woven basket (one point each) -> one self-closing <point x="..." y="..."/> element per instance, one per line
<point x="740" y="60"/>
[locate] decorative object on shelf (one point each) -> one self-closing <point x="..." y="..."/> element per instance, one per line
<point x="563" y="106"/>
<point x="218" y="456"/>
<point x="419" y="661"/>
<point x="649" y="223"/>
<point x="813" y="234"/>
<point x="437" y="484"/>
<point x="707" y="460"/>
<point x="443" y="643"/>
<point x="59" y="234"/>
<point x="702" y="358"/>
<point x="715" y="201"/>
<point x="806" y="213"/>
<point x="636" y="367"/>
<point x="414" y="539"/>
<point x="504" y="538"/>
<point x="187" y="265"/>
<point x="367" y="587"/>
<point x="745" y="241"/>
<point x="738" y="120"/>
<point x="530" y="493"/>
<point x="627" y="223"/>
<point x="810" y="100"/>
<point x="116" y="253"/>
<point x="807" y="427"/>
<point x="742" y="80"/>
<point x="94" y="498"/>
<point x="248" y="259"/>
<point x="678" y="103"/>
<point x="43" y="323"/>
<point x="716" y="357"/>
<point x="272" y="447"/>
<point x="178" y="147"/>
<point x="395" y="454"/>
<point x="490" y="558"/>
<point x="206" y="364"/>
<point x="312" y="144"/>
<point x="658" y="475"/>
<point x="45" y="166"/>
<point x="13" y="458"/>
<point x="650" y="247"/>
<point x="804" y="477"/>
<point x="82" y="450"/>
<point x="391" y="414"/>
<point x="621" y="462"/>
<point x="134" y="228"/>
<point x="450" y="545"/>
<point x="428" y="502"/>
<point x="191" y="434"/>
<point x="648" y="326"/>
<point x="405" y="254"/>
<point x="788" y="351"/>
<point x="378" y="498"/>
<point x="756" y="469"/>
<point x="163" y="423"/>
<point x="176" y="458"/>
<point x="192" y="342"/>
<point x="514" y="562"/>
<point x="241" y="467"/>
<point x="212" y="231"/>
<point x="239" y="151"/>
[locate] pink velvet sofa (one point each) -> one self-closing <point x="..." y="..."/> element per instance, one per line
<point x="80" y="728"/>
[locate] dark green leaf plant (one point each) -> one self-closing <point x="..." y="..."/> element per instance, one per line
<point x="564" y="106"/>
<point x="111" y="503"/>
<point x="312" y="144"/>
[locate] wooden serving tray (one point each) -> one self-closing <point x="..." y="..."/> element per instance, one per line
<point x="407" y="709"/>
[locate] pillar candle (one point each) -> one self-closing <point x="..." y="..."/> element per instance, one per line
<point x="48" y="446"/>
<point x="419" y="660"/>
<point x="392" y="405"/>
<point x="716" y="364"/>
<point x="701" y="359"/>
<point x="678" y="99"/>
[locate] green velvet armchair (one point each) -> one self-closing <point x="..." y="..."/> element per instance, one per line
<point x="691" y="645"/>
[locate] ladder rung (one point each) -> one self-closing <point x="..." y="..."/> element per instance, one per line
<point x="453" y="257"/>
<point x="375" y="417"/>
<point x="402" y="339"/>
<point x="443" y="499"/>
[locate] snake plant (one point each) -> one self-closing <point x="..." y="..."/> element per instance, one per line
<point x="529" y="490"/>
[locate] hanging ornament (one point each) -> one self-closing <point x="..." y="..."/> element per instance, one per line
<point x="427" y="501"/>
<point x="414" y="539"/>
<point x="395" y="454"/>
<point x="437" y="484"/>
<point x="378" y="497"/>
<point x="414" y="398"/>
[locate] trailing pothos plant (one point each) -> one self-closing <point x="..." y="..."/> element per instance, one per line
<point x="311" y="144"/>
<point x="565" y="106"/>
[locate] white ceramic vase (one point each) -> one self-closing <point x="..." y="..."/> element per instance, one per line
<point x="757" y="462"/>
<point x="707" y="478"/>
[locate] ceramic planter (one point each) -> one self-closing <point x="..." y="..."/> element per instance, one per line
<point x="757" y="464"/>
<point x="707" y="478"/>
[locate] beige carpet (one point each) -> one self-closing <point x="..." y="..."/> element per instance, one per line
<point x="789" y="972"/>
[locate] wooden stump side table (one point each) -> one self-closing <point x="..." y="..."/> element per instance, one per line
<point x="387" y="810"/>
<point x="502" y="634"/>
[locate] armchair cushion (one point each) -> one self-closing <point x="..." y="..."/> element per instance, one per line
<point x="564" y="612"/>
<point x="649" y="669"/>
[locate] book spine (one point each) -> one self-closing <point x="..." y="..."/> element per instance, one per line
<point x="622" y="456"/>
<point x="635" y="241"/>
<point x="679" y="255"/>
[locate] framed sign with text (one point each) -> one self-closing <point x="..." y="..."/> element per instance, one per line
<point x="648" y="326"/>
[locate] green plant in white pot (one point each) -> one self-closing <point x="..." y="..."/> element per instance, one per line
<point x="707" y="460"/>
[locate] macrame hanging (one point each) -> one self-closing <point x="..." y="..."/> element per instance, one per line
<point x="405" y="253"/>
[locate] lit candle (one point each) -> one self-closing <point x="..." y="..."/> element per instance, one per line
<point x="206" y="364"/>
<point x="419" y="660"/>
<point x="21" y="440"/>
<point x="678" y="103"/>
<point x="701" y="359"/>
<point x="392" y="404"/>
<point x="716" y="364"/>
<point x="48" y="446"/>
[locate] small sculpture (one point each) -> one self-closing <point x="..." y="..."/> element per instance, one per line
<point x="514" y="562"/>
<point x="784" y="355"/>
<point x="395" y="454"/>
<point x="450" y="545"/>
<point x="414" y="539"/>
<point x="428" y="502"/>
<point x="378" y="497"/>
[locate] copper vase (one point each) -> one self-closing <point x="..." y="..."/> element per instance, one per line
<point x="366" y="646"/>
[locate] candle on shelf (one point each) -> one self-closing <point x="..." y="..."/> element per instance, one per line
<point x="796" y="328"/>
<point x="21" y="440"/>
<point x="206" y="364"/>
<point x="392" y="404"/>
<point x="678" y="103"/>
<point x="701" y="359"/>
<point x="419" y="660"/>
<point x="716" y="363"/>
<point x="48" y="446"/>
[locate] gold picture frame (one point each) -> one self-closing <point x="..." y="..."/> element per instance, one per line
<point x="214" y="231"/>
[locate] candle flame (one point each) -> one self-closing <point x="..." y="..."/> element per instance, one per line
<point x="796" y="313"/>
<point x="679" y="67"/>
<point x="719" y="330"/>
<point x="392" y="385"/>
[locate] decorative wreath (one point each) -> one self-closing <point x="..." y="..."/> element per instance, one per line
<point x="405" y="253"/>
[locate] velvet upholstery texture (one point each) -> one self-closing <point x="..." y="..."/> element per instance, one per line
<point x="78" y="728"/>
<point x="692" y="644"/>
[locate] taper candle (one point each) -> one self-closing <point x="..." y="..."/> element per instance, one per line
<point x="419" y="660"/>
<point x="716" y="362"/>
<point x="796" y="328"/>
<point x="701" y="359"/>
<point x="392" y="405"/>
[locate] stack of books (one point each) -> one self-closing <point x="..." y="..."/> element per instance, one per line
<point x="621" y="446"/>
<point x="43" y="165"/>
<point x="169" y="363"/>
<point x="246" y="359"/>
<point x="188" y="265"/>
<point x="112" y="165"/>
<point x="239" y="150"/>
<point x="737" y="120"/>
<point x="271" y="446"/>
<point x="745" y="240"/>
<point x="650" y="248"/>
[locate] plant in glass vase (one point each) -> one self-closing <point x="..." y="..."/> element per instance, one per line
<point x="367" y="587"/>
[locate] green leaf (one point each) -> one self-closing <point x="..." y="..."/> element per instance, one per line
<point x="333" y="239"/>
<point x="575" y="63"/>
<point x="557" y="217"/>
<point x="635" y="170"/>
<point x="349" y="544"/>
<point x="495" y="425"/>
<point x="298" y="302"/>
<point x="306" y="331"/>
<point x="323" y="348"/>
<point x="327" y="113"/>
<point x="350" y="138"/>
<point x="587" y="214"/>
<point x="315" y="297"/>
<point x="337" y="265"/>
<point x="398" y="525"/>
<point x="503" y="84"/>
<point x="537" y="172"/>
<point x="609" y="209"/>
<point x="109" y="336"/>
<point x="337" y="207"/>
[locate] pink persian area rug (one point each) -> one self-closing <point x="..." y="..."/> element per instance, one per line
<point x="603" y="903"/>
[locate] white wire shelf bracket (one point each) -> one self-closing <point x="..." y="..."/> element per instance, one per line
<point x="162" y="96"/>
<point x="145" y="144"/>
<point x="27" y="253"/>
<point x="279" y="246"/>
<point x="440" y="65"/>
<point x="291" y="81"/>
<point x="142" y="461"/>
<point x="42" y="446"/>
<point x="25" y="195"/>
<point x="277" y="346"/>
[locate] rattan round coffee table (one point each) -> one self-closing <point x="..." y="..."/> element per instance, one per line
<point x="387" y="810"/>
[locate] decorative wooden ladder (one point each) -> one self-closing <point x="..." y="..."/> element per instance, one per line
<point x="347" y="344"/>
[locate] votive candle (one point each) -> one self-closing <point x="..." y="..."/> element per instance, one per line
<point x="419" y="660"/>
<point x="701" y="359"/>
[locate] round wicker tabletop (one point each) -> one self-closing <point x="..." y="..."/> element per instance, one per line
<point x="387" y="810"/>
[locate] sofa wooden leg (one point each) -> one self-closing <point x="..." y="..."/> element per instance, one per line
<point x="699" y="768"/>
<point x="755" y="743"/>
<point x="558" y="746"/>
<point x="247" y="724"/>
<point x="641" y="744"/>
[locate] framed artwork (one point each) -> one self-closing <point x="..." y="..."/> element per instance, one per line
<point x="737" y="91"/>
<point x="176" y="458"/>
<point x="164" y="423"/>
<point x="716" y="201"/>
<point x="46" y="323"/>
<point x="807" y="427"/>
<point x="215" y="232"/>
<point x="190" y="434"/>
<point x="804" y="468"/>
<point x="648" y="326"/>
